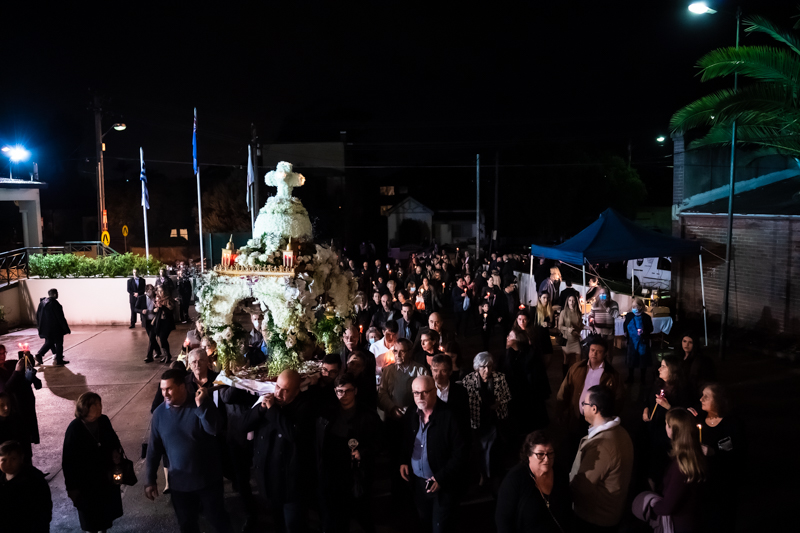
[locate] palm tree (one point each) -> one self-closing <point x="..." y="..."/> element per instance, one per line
<point x="767" y="112"/>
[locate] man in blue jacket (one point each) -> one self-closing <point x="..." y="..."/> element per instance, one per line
<point x="185" y="431"/>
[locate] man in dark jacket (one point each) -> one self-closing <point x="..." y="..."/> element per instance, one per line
<point x="347" y="441"/>
<point x="435" y="458"/>
<point x="409" y="324"/>
<point x="135" y="290"/>
<point x="449" y="391"/>
<point x="24" y="493"/>
<point x="284" y="451"/>
<point x="52" y="328"/>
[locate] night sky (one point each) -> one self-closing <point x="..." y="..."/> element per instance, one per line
<point x="412" y="85"/>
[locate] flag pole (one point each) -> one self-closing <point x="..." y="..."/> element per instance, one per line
<point x="144" y="210"/>
<point x="199" y="203"/>
<point x="250" y="198"/>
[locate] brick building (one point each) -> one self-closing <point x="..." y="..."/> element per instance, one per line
<point x="765" y="268"/>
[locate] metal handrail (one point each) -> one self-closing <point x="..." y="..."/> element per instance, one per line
<point x="89" y="246"/>
<point x="14" y="264"/>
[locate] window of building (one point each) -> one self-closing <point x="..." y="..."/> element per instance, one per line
<point x="185" y="234"/>
<point x="385" y="210"/>
<point x="387" y="191"/>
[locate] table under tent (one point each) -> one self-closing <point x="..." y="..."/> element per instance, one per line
<point x="613" y="237"/>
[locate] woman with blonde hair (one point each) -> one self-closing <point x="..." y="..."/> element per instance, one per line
<point x="684" y="479"/>
<point x="544" y="321"/>
<point x="570" y="324"/>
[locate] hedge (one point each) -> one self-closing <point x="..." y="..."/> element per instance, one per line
<point x="69" y="265"/>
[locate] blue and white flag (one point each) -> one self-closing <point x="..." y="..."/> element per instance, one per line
<point x="194" y="142"/>
<point x="143" y="178"/>
<point x="251" y="176"/>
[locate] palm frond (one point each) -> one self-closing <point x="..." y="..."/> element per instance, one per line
<point x="768" y="102"/>
<point x="760" y="24"/>
<point x="762" y="63"/>
<point x="750" y="136"/>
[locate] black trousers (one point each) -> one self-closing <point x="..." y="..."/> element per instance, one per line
<point x="436" y="510"/>
<point x="153" y="346"/>
<point x="210" y="501"/>
<point x="241" y="460"/>
<point x="338" y="506"/>
<point x="135" y="313"/>
<point x="56" y="344"/>
<point x="290" y="517"/>
<point x="184" y="309"/>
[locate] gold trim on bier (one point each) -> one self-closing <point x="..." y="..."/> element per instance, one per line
<point x="237" y="270"/>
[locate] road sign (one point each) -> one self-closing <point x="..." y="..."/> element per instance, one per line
<point x="105" y="238"/>
<point x="124" y="231"/>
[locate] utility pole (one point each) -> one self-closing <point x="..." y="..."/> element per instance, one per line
<point x="478" y="210"/>
<point x="729" y="242"/>
<point x="101" y="193"/>
<point x="496" y="193"/>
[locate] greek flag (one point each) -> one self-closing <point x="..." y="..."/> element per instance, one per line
<point x="251" y="176"/>
<point x="143" y="178"/>
<point x="194" y="142"/>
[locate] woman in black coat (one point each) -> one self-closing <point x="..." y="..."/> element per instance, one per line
<point x="533" y="498"/>
<point x="91" y="449"/>
<point x="163" y="325"/>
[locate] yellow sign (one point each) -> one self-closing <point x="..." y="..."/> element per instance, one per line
<point x="124" y="231"/>
<point x="105" y="238"/>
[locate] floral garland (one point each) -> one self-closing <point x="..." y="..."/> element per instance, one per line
<point x="267" y="250"/>
<point x="291" y="304"/>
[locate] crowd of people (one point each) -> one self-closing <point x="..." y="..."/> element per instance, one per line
<point x="403" y="390"/>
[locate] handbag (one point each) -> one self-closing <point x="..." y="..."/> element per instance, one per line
<point x="465" y="306"/>
<point x="123" y="473"/>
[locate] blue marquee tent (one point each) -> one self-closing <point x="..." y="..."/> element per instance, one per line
<point x="613" y="237"/>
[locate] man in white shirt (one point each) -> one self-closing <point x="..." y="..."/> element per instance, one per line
<point x="382" y="350"/>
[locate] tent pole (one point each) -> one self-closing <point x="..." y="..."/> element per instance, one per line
<point x="633" y="286"/>
<point x="530" y="280"/>
<point x="583" y="267"/>
<point x="703" y="292"/>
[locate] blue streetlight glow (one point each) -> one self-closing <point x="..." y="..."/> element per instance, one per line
<point x="16" y="153"/>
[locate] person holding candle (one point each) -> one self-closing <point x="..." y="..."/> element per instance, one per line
<point x="347" y="441"/>
<point x="669" y="391"/>
<point x="638" y="327"/>
<point x="684" y="484"/>
<point x="722" y="438"/>
<point x="91" y="449"/>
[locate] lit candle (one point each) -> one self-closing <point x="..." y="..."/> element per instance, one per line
<point x="700" y="430"/>
<point x="361" y="328"/>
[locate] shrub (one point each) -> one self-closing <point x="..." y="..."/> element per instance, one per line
<point x="69" y="265"/>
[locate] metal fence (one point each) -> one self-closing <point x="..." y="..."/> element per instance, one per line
<point x="14" y="264"/>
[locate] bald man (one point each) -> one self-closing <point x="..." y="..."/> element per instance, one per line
<point x="435" y="458"/>
<point x="284" y="450"/>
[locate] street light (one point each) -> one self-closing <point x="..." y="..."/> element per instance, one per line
<point x="101" y="181"/>
<point x="15" y="154"/>
<point x="660" y="139"/>
<point x="700" y="8"/>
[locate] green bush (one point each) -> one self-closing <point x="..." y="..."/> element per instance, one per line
<point x="69" y="265"/>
